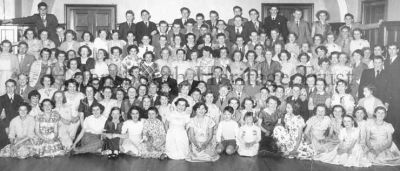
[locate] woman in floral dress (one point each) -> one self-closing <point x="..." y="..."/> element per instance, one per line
<point x="202" y="145"/>
<point x="289" y="136"/>
<point x="47" y="143"/>
<point x="154" y="133"/>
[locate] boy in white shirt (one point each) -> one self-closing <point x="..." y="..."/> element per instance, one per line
<point x="227" y="133"/>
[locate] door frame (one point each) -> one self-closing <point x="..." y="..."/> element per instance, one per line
<point x="69" y="7"/>
<point x="365" y="3"/>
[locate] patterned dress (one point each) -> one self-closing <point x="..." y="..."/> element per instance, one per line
<point x="318" y="129"/>
<point x="200" y="127"/>
<point x="287" y="136"/>
<point x="148" y="70"/>
<point x="48" y="145"/>
<point x="154" y="131"/>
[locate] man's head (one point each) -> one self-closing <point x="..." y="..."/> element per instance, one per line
<point x="42" y="8"/>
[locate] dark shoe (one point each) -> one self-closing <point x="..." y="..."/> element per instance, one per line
<point x="163" y="157"/>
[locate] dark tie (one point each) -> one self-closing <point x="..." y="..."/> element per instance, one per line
<point x="273" y="18"/>
<point x="222" y="101"/>
<point x="44" y="21"/>
<point x="129" y="25"/>
<point x="377" y="73"/>
<point x="256" y="25"/>
<point x="147" y="24"/>
<point x="147" y="49"/>
<point x="237" y="31"/>
<point x="12" y="100"/>
<point x="298" y="24"/>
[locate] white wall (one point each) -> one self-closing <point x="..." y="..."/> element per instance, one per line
<point x="393" y="10"/>
<point x="169" y="9"/>
<point x="9" y="6"/>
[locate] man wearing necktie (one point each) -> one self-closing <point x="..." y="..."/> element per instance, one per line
<point x="9" y="104"/>
<point x="300" y="27"/>
<point x="24" y="60"/>
<point x="252" y="25"/>
<point x="392" y="95"/>
<point x="275" y="21"/>
<point x="145" y="27"/>
<point x="235" y="30"/>
<point x="128" y="26"/>
<point x="42" y="20"/>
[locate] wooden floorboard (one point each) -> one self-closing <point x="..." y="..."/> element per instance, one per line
<point x="126" y="163"/>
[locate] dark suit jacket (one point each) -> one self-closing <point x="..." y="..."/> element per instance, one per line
<point x="25" y="65"/>
<point x="179" y="21"/>
<point x="303" y="32"/>
<point x="223" y="104"/>
<point x="249" y="27"/>
<point x="367" y="78"/>
<point x="214" y="87"/>
<point x="232" y="33"/>
<point x="192" y="86"/>
<point x="231" y="22"/>
<point x="36" y="20"/>
<point x="393" y="82"/>
<point x="233" y="93"/>
<point x="211" y="26"/>
<point x="142" y="29"/>
<point x="267" y="70"/>
<point x="124" y="29"/>
<point x="25" y="93"/>
<point x="279" y="23"/>
<point x="11" y="109"/>
<point x="172" y="84"/>
<point x="57" y="41"/>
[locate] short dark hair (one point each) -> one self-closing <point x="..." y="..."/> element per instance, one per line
<point x="47" y="76"/>
<point x="185" y="8"/>
<point x="87" y="47"/>
<point x="253" y="9"/>
<point x="200" y="15"/>
<point x="90" y="34"/>
<point x="237" y="7"/>
<point x="144" y="11"/>
<point x="129" y="12"/>
<point x="34" y="93"/>
<point x="116" y="47"/>
<point x="349" y="15"/>
<point x="322" y="11"/>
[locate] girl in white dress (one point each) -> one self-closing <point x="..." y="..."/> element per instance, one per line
<point x="249" y="137"/>
<point x="177" y="141"/>
<point x="69" y="121"/>
<point x="132" y="129"/>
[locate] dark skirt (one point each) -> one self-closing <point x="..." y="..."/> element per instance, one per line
<point x="111" y="144"/>
<point x="90" y="143"/>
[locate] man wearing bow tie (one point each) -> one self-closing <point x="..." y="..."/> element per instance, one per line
<point x="9" y="104"/>
<point x="275" y="21"/>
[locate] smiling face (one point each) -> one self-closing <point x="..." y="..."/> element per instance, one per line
<point x="181" y="106"/>
<point x="360" y="115"/>
<point x="348" y="122"/>
<point x="115" y="114"/>
<point x="135" y="115"/>
<point x="380" y="115"/>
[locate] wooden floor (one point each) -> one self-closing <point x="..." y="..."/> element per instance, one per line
<point x="126" y="163"/>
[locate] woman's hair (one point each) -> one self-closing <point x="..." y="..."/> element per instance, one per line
<point x="360" y="108"/>
<point x="109" y="119"/>
<point x="64" y="100"/>
<point x="197" y="106"/>
<point x="352" y="118"/>
<point x="137" y="108"/>
<point x="44" y="101"/>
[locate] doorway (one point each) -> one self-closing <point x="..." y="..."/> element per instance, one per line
<point x="90" y="18"/>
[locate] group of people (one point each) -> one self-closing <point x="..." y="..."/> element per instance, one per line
<point x="202" y="89"/>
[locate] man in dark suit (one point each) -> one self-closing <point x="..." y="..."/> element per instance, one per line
<point x="185" y="17"/>
<point x="163" y="31"/>
<point x="9" y="104"/>
<point x="252" y="25"/>
<point x="40" y="21"/>
<point x="237" y="11"/>
<point x="235" y="30"/>
<point x="275" y="21"/>
<point x="24" y="60"/>
<point x="127" y="26"/>
<point x="237" y="91"/>
<point x="166" y="77"/>
<point x="374" y="76"/>
<point x="60" y="31"/>
<point x="217" y="80"/>
<point x="300" y="28"/>
<point x="23" y="88"/>
<point x="145" y="27"/>
<point x="175" y="31"/>
<point x="392" y="95"/>
<point x="212" y="22"/>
